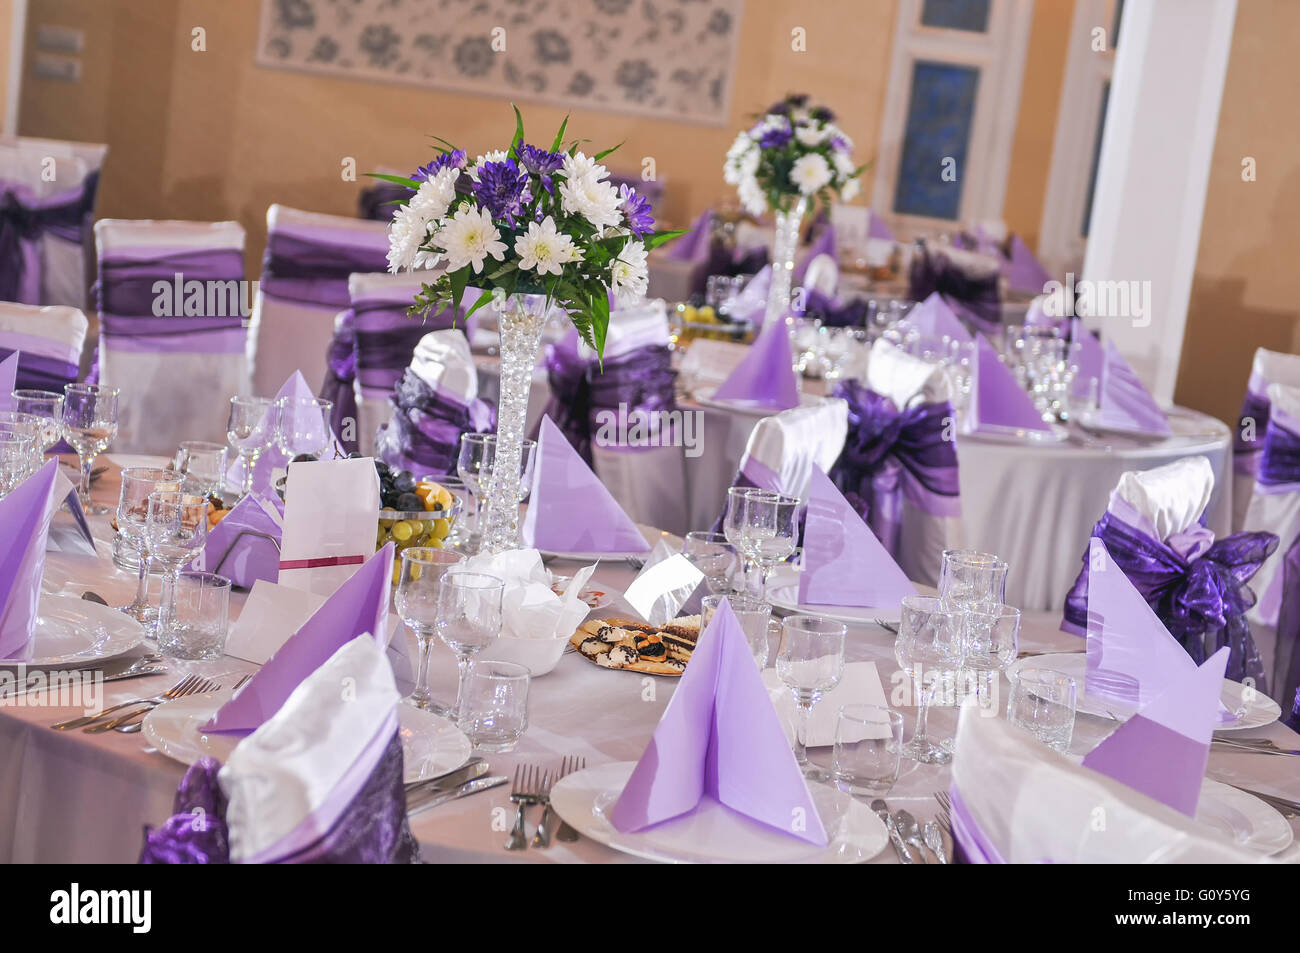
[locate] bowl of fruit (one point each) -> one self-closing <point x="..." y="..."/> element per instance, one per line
<point x="414" y="511"/>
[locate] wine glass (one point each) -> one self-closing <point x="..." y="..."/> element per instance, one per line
<point x="204" y="464"/>
<point x="89" y="426"/>
<point x="138" y="483"/>
<point x="733" y="528"/>
<point x="755" y="620"/>
<point x="249" y="430"/>
<point x="970" y="579"/>
<point x="810" y="663"/>
<point x="929" y="636"/>
<point x="302" y="425"/>
<point x="48" y="407"/>
<point x="713" y="555"/>
<point x="176" y="527"/>
<point x="467" y="618"/>
<point x="416" y="602"/>
<point x="474" y="466"/>
<point x="769" y="532"/>
<point x="990" y="642"/>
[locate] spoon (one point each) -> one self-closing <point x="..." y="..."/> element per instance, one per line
<point x="911" y="832"/>
<point x="934" y="840"/>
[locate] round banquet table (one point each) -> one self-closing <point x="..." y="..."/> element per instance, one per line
<point x="77" y="798"/>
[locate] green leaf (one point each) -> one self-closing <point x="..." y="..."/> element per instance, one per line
<point x="503" y="270"/>
<point x="600" y="155"/>
<point x="396" y="179"/>
<point x="446" y="146"/>
<point x="519" y="131"/>
<point x="559" y="136"/>
<point x="483" y="299"/>
<point x="600" y="323"/>
<point x="459" y="279"/>
<point x="660" y="238"/>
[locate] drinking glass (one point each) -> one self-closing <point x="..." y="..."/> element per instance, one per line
<point x="89" y="426"/>
<point x="970" y="579"/>
<point x="46" y="405"/>
<point x="1043" y="703"/>
<point x="929" y="637"/>
<point x="733" y="528"/>
<point x="204" y="465"/>
<point x="754" y="616"/>
<point x="810" y="662"/>
<point x="769" y="532"/>
<point x="457" y="488"/>
<point x="528" y="453"/>
<point x="15" y="460"/>
<point x="868" y="749"/>
<point x="467" y="618"/>
<point x="26" y="433"/>
<point x="495" y="712"/>
<point x="302" y="425"/>
<point x="990" y="642"/>
<point x="249" y="430"/>
<point x="416" y="602"/>
<point x="176" y="527"/>
<point x="138" y="484"/>
<point x="714" y="556"/>
<point x="474" y="466"/>
<point x="200" y="618"/>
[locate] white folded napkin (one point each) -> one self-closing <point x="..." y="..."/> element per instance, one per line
<point x="895" y="374"/>
<point x="529" y="609"/>
<point x="443" y="361"/>
<point x="859" y="686"/>
<point x="1171" y="498"/>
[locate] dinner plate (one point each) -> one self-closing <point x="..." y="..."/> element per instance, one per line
<point x="1094" y="422"/>
<point x="704" y="396"/>
<point x="783" y="593"/>
<point x="593" y="597"/>
<point x="713" y="833"/>
<point x="431" y="745"/>
<point x="1242" y="818"/>
<point x="77" y="632"/>
<point x="652" y="536"/>
<point x="992" y="433"/>
<point x="1250" y="708"/>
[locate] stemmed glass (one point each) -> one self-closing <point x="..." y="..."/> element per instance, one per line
<point x="249" y="430"/>
<point x="733" y="529"/>
<point x="713" y="555"/>
<point x="527" y="456"/>
<point x="467" y="618"/>
<point x="929" y="636"/>
<point x="474" y="466"/>
<point x="302" y="425"/>
<point x="416" y="601"/>
<point x="204" y="464"/>
<point x="990" y="642"/>
<point x="176" y="527"/>
<point x="138" y="484"/>
<point x="810" y="663"/>
<point x="970" y="579"/>
<point x="769" y="532"/>
<point x="89" y="426"/>
<point x="48" y="407"/>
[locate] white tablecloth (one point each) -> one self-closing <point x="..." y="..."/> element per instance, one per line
<point x="73" y="797"/>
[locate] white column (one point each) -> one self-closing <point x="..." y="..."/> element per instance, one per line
<point x="1170" y="64"/>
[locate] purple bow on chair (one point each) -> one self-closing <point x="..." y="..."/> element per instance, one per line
<point x="892" y="454"/>
<point x="196" y="832"/>
<point x="977" y="296"/>
<point x="424" y="433"/>
<point x="24" y="218"/>
<point x="1201" y="599"/>
<point x="1255" y="409"/>
<point x="340" y="373"/>
<point x="836" y="314"/>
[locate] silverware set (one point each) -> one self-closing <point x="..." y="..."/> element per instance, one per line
<point x="468" y="779"/>
<point x="140" y="668"/>
<point x="905" y="833"/>
<point x="132" y="720"/>
<point x="1250" y="746"/>
<point x="532" y="786"/>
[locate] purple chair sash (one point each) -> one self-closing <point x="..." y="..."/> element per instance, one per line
<point x="312" y="271"/>
<point x="1279" y="462"/>
<point x="1202" y="600"/>
<point x="1256" y="409"/>
<point x="892" y="455"/>
<point x="372" y="829"/>
<point x="832" y="313"/>
<point x="424" y="432"/>
<point x="979" y="298"/>
<point x="970" y="845"/>
<point x="376" y="202"/>
<point x="24" y="219"/>
<point x="39" y="372"/>
<point x="1288" y="635"/>
<point x="340" y="372"/>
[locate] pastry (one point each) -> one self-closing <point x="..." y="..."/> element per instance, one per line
<point x="638" y="646"/>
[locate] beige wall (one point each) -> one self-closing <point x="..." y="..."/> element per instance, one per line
<point x="7" y="8"/>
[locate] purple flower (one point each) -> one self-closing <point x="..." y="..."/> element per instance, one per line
<point x="636" y="209"/>
<point x="779" y="109"/>
<point x="839" y="144"/>
<point x="775" y="138"/>
<point x="502" y="188"/>
<point x="798" y="100"/>
<point x="822" y="114"/>
<point x="445" y="161"/>
<point x="540" y="163"/>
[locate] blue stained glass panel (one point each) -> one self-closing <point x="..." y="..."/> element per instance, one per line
<point x="1096" y="157"/>
<point x="939" y="119"/>
<point x="972" y="15"/>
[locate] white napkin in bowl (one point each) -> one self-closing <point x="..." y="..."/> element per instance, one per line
<point x="529" y="609"/>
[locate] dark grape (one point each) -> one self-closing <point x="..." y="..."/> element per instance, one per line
<point x="404" y="481"/>
<point x="409" y="502"/>
<point x="304" y="458"/>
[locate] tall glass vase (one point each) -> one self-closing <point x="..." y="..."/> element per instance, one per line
<point x="521" y="319"/>
<point x="784" y="246"/>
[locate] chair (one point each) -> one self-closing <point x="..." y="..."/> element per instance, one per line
<point x="309" y="258"/>
<point x="1268" y="367"/>
<point x="173" y="305"/>
<point x="49" y="341"/>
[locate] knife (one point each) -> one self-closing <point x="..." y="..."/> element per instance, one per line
<point x="470" y="787"/>
<point x="474" y="768"/>
<point x="120" y="677"/>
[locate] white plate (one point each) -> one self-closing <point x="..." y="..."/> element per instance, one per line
<point x="71" y="631"/>
<point x="714" y="833"/>
<point x="992" y="433"/>
<point x="704" y="396"/>
<point x="1242" y="818"/>
<point x="430" y="745"/>
<point x="652" y="536"/>
<point x="1091" y="421"/>
<point x="593" y="597"/>
<point x="1259" y="711"/>
<point x="783" y="592"/>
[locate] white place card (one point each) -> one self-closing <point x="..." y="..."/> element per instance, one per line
<point x="663" y="585"/>
<point x="331" y="515"/>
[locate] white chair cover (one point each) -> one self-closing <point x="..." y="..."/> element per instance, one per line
<point x="50" y="340"/>
<point x="173" y="388"/>
<point x="1274" y="509"/>
<point x="783" y="448"/>
<point x="1268" y="367"/>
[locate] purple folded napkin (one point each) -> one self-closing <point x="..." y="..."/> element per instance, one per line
<point x="358" y="607"/>
<point x="569" y="509"/>
<point x="25" y="515"/>
<point x="824" y="244"/>
<point x="694" y="245"/>
<point x="934" y="317"/>
<point x="1022" y="270"/>
<point x="765" y="377"/>
<point x="720" y="737"/>
<point x="273" y="458"/>
<point x="1125" y="403"/>
<point x="8" y="375"/>
<point x="998" y="401"/>
<point x="844" y="564"/>
<point x="237" y="547"/>
<point x="1163" y="749"/>
<point x="878" y="228"/>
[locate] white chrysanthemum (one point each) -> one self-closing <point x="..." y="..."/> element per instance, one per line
<point x="850" y="189"/>
<point x="810" y="135"/>
<point x="773" y="123"/>
<point x="833" y="132"/>
<point x="544" y="249"/>
<point x="469" y="237"/>
<point x="496" y="155"/>
<point x="406" y="233"/>
<point x="629" y="274"/>
<point x="810" y="173"/>
<point x="581" y="166"/>
<point x="843" y="163"/>
<point x="752" y="196"/>
<point x="410" y="225"/>
<point x="742" y="160"/>
<point x="598" y="202"/>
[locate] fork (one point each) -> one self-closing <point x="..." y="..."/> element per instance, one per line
<point x="887" y="626"/>
<point x="198" y="687"/>
<point x="946" y="804"/>
<point x="524" y="791"/>
<point x="566" y="832"/>
<point x="543" y="836"/>
<point x="636" y="562"/>
<point x="180" y="687"/>
<point x="128" y="727"/>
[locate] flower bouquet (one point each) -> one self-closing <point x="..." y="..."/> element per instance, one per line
<point x="531" y="229"/>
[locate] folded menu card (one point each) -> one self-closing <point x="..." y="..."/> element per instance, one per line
<point x="1125" y="403"/>
<point x="358" y="607"/>
<point x="843" y="562"/>
<point x="720" y="738"/>
<point x="1163" y="749"/>
<point x="331" y="515"/>
<point x="569" y="509"/>
<point x="25" y="514"/>
<point x="765" y="378"/>
<point x="998" y="400"/>
<point x="8" y="376"/>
